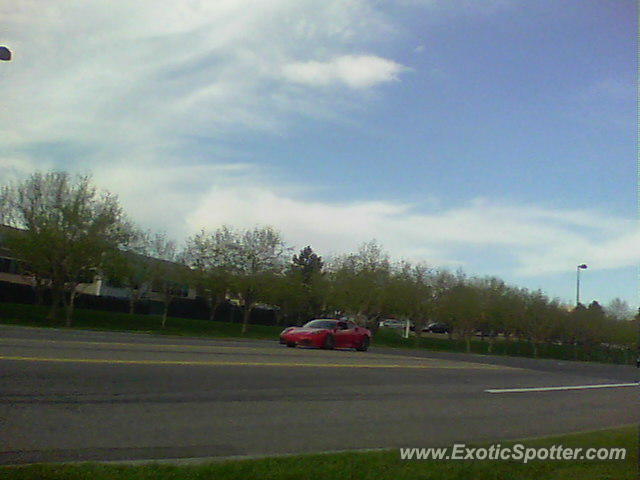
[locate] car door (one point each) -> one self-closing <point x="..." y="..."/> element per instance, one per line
<point x="353" y="334"/>
<point x="342" y="335"/>
<point x="358" y="335"/>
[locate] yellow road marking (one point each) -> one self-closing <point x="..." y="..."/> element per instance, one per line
<point x="241" y="364"/>
<point x="461" y="364"/>
<point x="203" y="348"/>
<point x="122" y="344"/>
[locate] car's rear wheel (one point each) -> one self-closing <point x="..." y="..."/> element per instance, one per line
<point x="329" y="342"/>
<point x="364" y="345"/>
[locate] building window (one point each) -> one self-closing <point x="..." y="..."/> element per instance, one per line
<point x="115" y="283"/>
<point x="8" y="265"/>
<point x="86" y="277"/>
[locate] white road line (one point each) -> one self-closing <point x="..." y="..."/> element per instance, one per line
<point x="565" y="387"/>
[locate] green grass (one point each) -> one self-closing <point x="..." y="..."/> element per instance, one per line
<point x="369" y="466"/>
<point x="35" y="316"/>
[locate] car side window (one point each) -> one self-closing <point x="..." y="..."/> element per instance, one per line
<point x="351" y="325"/>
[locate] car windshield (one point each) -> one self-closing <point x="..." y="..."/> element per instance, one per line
<point x="321" y="324"/>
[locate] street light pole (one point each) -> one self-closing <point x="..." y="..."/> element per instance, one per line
<point x="582" y="266"/>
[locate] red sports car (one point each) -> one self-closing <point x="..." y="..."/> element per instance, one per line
<point x="327" y="333"/>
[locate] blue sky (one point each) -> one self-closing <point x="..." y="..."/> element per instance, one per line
<point x="496" y="136"/>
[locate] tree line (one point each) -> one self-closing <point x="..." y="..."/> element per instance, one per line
<point x="67" y="232"/>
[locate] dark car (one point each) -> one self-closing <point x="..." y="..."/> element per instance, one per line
<point x="439" y="327"/>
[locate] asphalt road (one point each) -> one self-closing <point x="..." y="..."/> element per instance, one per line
<point x="78" y="395"/>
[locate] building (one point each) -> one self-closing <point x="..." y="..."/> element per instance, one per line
<point x="9" y="265"/>
<point x="12" y="271"/>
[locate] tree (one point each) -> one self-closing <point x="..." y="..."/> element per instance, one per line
<point x="301" y="292"/>
<point x="539" y="319"/>
<point x="577" y="331"/>
<point x="400" y="292"/>
<point x="167" y="274"/>
<point x="133" y="267"/>
<point x="308" y="264"/>
<point x="410" y="293"/>
<point x="442" y="282"/>
<point x="257" y="256"/>
<point x="460" y="307"/>
<point x="68" y="231"/>
<point x="291" y="295"/>
<point x="515" y="311"/>
<point x="211" y="258"/>
<point x="619" y="309"/>
<point x="494" y="309"/>
<point x="596" y="324"/>
<point x="360" y="281"/>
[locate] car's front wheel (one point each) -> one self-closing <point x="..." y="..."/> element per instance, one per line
<point x="364" y="345"/>
<point x="291" y="344"/>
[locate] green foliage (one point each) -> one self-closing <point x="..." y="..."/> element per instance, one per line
<point x="167" y="272"/>
<point x="300" y="291"/>
<point x="253" y="259"/>
<point x="619" y="309"/>
<point x="67" y="232"/>
<point x="359" y="283"/>
<point x="307" y="264"/>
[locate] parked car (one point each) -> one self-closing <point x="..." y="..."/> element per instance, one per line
<point x="395" y="324"/>
<point x="391" y="323"/>
<point x="438" y="327"/>
<point x="327" y="333"/>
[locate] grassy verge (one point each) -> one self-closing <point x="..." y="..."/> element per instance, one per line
<point x="370" y="466"/>
<point x="35" y="316"/>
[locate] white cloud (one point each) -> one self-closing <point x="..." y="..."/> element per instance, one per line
<point x="126" y="74"/>
<point x="182" y="198"/>
<point x="620" y="249"/>
<point x="356" y="71"/>
<point x="160" y="196"/>
<point x="17" y="167"/>
<point x="123" y="76"/>
<point x="538" y="240"/>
